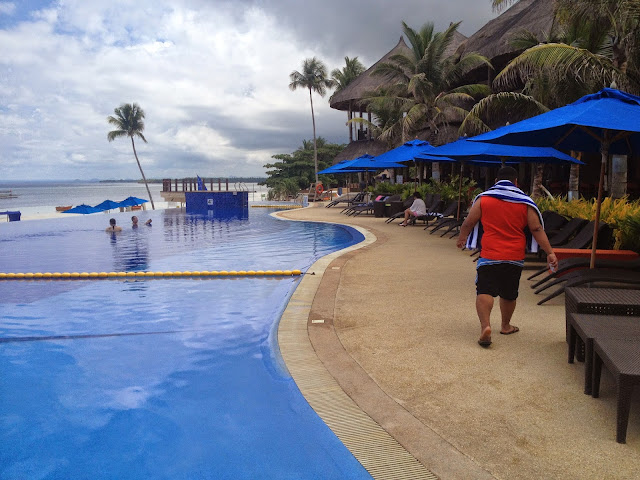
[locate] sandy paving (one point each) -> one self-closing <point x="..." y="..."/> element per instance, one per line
<point x="403" y="310"/>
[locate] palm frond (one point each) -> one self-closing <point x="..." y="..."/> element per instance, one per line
<point x="556" y="61"/>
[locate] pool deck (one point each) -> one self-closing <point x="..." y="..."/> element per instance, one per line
<point x="398" y="335"/>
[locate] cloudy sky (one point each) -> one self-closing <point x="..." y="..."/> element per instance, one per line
<point x="211" y="75"/>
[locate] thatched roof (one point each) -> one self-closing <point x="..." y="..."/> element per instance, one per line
<point x="367" y="81"/>
<point x="492" y="40"/>
<point x="358" y="148"/>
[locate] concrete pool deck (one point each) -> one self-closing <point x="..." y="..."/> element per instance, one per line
<point x="399" y="336"/>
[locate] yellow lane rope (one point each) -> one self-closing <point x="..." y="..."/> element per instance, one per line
<point x="117" y="275"/>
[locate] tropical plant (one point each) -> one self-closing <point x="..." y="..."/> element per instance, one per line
<point x="343" y="77"/>
<point x="314" y="78"/>
<point x="622" y="215"/>
<point x="129" y="121"/>
<point x="598" y="47"/>
<point x="298" y="167"/>
<point x="387" y="116"/>
<point x="429" y="86"/>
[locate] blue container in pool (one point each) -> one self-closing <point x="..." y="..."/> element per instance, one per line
<point x="158" y="378"/>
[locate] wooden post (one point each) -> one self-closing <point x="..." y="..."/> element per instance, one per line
<point x="350" y="116"/>
<point x="227" y="181"/>
<point x="219" y="185"/>
<point x="176" y="183"/>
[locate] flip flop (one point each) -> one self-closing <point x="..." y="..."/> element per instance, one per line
<point x="484" y="343"/>
<point x="515" y="329"/>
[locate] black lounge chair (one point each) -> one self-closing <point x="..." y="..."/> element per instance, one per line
<point x="593" y="276"/>
<point x="448" y="219"/>
<point x="432" y="202"/>
<point x="348" y="198"/>
<point x="567" y="264"/>
<point x="567" y="231"/>
<point x="584" y="237"/>
<point x="553" y="222"/>
<point x="438" y="212"/>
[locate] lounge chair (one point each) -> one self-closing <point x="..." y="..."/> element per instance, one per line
<point x="593" y="276"/>
<point x="449" y="219"/>
<point x="553" y="222"/>
<point x="432" y="201"/>
<point x="347" y="198"/>
<point x="584" y="236"/>
<point x="567" y="264"/>
<point x="567" y="231"/>
<point x="437" y="212"/>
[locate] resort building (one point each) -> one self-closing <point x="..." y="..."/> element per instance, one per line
<point x="492" y="41"/>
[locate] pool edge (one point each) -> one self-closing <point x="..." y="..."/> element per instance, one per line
<point x="378" y="451"/>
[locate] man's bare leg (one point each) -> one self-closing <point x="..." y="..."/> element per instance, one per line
<point x="507" y="307"/>
<point x="484" y="305"/>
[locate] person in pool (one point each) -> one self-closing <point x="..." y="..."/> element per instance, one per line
<point x="112" y="226"/>
<point x="134" y="222"/>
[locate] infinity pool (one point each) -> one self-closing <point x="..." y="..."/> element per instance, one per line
<point x="177" y="378"/>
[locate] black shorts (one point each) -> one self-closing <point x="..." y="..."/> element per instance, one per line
<point x="499" y="280"/>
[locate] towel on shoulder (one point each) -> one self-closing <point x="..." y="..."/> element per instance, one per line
<point x="507" y="191"/>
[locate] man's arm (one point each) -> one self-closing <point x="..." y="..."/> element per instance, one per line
<point x="541" y="237"/>
<point x="474" y="217"/>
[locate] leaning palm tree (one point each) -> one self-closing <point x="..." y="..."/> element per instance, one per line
<point x="314" y="77"/>
<point x="129" y="122"/>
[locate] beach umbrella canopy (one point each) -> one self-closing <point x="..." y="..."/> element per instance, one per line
<point x="338" y="168"/>
<point x="406" y="152"/>
<point x="83" y="209"/>
<point x="606" y="122"/>
<point x="484" y="154"/>
<point x="108" y="205"/>
<point x="466" y="150"/>
<point x="368" y="163"/>
<point x="132" y="202"/>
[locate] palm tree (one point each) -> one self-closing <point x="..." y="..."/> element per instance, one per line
<point x="313" y="77"/>
<point x="129" y="122"/>
<point x="343" y="77"/>
<point x="429" y="84"/>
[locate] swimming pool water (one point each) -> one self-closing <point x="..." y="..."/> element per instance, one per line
<point x="175" y="378"/>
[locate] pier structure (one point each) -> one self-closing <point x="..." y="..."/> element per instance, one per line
<point x="174" y="190"/>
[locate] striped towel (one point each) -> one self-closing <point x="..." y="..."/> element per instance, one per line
<point x="507" y="191"/>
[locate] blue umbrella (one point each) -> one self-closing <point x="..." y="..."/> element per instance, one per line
<point x="369" y="163"/>
<point x="338" y="168"/>
<point x="132" y="202"/>
<point x="606" y="122"/>
<point x="84" y="209"/>
<point x="108" y="205"/>
<point x="406" y="152"/>
<point x="465" y="150"/>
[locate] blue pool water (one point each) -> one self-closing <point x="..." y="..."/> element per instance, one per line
<point x="175" y="378"/>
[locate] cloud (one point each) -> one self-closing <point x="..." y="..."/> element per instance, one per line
<point x="7" y="8"/>
<point x="212" y="78"/>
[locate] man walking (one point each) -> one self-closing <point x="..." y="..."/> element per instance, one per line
<point x="504" y="212"/>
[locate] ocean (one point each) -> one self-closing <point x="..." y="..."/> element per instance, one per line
<point x="40" y="199"/>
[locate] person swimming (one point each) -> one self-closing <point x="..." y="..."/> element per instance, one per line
<point x="112" y="226"/>
<point x="134" y="222"/>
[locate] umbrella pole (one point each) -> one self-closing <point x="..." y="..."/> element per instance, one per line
<point x="460" y="189"/>
<point x="605" y="155"/>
